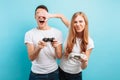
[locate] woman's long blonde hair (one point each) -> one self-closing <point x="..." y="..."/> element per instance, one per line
<point x="71" y="40"/>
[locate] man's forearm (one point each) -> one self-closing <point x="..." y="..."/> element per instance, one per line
<point x="35" y="53"/>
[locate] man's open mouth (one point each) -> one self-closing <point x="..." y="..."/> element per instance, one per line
<point x="41" y="21"/>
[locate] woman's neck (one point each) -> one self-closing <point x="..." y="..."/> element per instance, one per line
<point x="79" y="35"/>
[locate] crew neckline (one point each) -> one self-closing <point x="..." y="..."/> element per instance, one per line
<point x="45" y="29"/>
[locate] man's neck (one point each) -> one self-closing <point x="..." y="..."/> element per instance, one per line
<point x="43" y="28"/>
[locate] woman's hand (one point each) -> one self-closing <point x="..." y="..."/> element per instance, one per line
<point x="83" y="58"/>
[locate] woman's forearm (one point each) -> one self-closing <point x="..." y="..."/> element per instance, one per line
<point x="62" y="17"/>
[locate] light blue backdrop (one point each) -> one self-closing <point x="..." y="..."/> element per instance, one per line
<point x="17" y="17"/>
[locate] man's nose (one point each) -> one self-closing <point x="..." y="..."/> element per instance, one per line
<point x="42" y="18"/>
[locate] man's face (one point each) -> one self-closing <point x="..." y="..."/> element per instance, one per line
<point x="41" y="17"/>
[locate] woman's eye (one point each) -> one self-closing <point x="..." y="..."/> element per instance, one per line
<point x="80" y="21"/>
<point x="75" y="21"/>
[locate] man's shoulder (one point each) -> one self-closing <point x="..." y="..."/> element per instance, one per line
<point x="31" y="30"/>
<point x="57" y="30"/>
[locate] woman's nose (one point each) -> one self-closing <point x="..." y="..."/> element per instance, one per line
<point x="77" y="23"/>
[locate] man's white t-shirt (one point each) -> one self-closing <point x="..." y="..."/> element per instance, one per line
<point x="71" y="65"/>
<point x="46" y="60"/>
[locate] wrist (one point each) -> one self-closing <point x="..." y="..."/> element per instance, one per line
<point x="38" y="48"/>
<point x="56" y="16"/>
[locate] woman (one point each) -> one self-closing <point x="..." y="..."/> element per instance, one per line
<point x="77" y="48"/>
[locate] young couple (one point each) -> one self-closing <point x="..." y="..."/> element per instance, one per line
<point x="44" y="45"/>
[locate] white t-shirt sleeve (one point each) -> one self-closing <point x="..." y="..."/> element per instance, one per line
<point x="28" y="38"/>
<point x="90" y="44"/>
<point x="60" y="38"/>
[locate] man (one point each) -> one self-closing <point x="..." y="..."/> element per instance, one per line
<point x="44" y="45"/>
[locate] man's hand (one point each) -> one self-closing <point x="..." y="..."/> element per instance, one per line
<point x="41" y="44"/>
<point x="55" y="43"/>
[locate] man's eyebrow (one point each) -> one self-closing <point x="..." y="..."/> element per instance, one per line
<point x="37" y="12"/>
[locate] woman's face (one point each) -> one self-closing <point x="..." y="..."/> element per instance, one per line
<point x="79" y="23"/>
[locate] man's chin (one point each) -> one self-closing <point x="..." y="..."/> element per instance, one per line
<point x="41" y="27"/>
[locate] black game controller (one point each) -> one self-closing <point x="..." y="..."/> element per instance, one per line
<point x="48" y="39"/>
<point x="77" y="57"/>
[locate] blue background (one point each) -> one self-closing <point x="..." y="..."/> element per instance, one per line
<point x="17" y="17"/>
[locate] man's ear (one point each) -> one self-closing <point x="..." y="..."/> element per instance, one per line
<point x="35" y="16"/>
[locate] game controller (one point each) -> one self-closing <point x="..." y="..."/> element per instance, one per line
<point x="48" y="39"/>
<point x="75" y="56"/>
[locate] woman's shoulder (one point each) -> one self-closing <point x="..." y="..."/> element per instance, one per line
<point x="90" y="43"/>
<point x="90" y="39"/>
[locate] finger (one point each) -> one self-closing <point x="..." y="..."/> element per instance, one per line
<point x="43" y="43"/>
<point x="40" y="42"/>
<point x="84" y="60"/>
<point x="46" y="19"/>
<point x="55" y="40"/>
<point x="40" y="46"/>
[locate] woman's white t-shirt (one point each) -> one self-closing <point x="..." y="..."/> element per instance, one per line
<point x="71" y="65"/>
